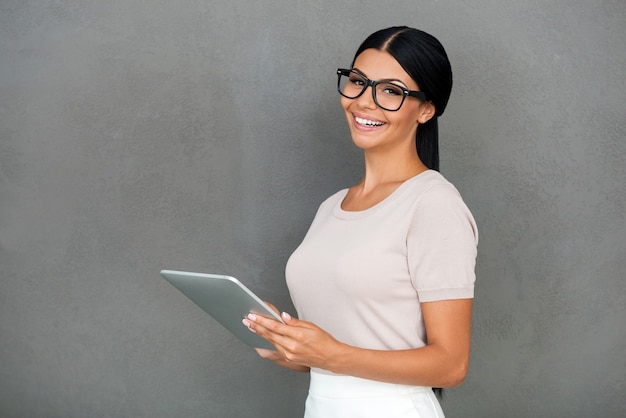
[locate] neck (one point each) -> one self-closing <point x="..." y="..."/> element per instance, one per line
<point x="383" y="169"/>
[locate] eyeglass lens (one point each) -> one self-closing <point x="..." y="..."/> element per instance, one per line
<point x="388" y="96"/>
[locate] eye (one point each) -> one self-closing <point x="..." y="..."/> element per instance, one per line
<point x="357" y="81"/>
<point x="391" y="89"/>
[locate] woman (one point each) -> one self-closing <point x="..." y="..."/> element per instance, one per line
<point x="384" y="279"/>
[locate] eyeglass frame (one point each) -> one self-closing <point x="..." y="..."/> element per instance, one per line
<point x="373" y="83"/>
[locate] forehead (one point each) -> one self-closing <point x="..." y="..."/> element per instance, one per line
<point x="380" y="65"/>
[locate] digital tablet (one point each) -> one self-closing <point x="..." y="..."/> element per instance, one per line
<point x="226" y="299"/>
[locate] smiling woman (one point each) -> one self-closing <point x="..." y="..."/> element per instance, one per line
<point x="396" y="122"/>
<point x="383" y="281"/>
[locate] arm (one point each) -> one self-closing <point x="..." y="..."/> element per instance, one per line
<point x="443" y="362"/>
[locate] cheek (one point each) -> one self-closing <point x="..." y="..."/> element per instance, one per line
<point x="409" y="117"/>
<point x="345" y="103"/>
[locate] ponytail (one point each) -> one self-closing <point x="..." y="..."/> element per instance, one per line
<point x="427" y="143"/>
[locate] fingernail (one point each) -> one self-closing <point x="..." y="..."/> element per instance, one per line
<point x="247" y="324"/>
<point x="286" y="316"/>
<point x="252" y="317"/>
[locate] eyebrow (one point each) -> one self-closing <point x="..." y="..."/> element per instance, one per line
<point x="384" y="79"/>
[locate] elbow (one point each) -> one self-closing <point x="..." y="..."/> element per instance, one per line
<point x="456" y="375"/>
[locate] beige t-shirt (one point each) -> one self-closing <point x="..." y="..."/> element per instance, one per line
<point x="362" y="275"/>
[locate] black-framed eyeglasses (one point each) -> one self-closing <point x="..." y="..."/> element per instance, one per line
<point x="386" y="94"/>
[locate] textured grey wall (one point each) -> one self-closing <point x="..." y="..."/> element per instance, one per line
<point x="201" y="135"/>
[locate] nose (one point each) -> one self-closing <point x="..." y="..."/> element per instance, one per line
<point x="366" y="100"/>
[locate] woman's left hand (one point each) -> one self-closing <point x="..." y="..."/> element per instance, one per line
<point x="298" y="342"/>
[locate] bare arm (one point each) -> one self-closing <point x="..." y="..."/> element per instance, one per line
<point x="443" y="362"/>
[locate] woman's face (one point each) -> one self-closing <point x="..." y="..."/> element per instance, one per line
<point x="374" y="128"/>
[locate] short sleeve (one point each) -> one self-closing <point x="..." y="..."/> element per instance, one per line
<point x="442" y="246"/>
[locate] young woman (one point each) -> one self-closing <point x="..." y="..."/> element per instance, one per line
<point x="384" y="279"/>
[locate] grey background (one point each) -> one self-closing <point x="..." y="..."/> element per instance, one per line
<point x="202" y="135"/>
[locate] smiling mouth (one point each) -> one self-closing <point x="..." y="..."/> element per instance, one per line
<point x="367" y="122"/>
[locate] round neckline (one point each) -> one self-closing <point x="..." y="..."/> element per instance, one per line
<point x="341" y="213"/>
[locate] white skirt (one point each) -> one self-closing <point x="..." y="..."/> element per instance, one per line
<point x="332" y="396"/>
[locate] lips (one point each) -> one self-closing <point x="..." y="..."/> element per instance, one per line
<point x="368" y="122"/>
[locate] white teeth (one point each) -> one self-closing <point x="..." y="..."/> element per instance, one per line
<point x="366" y="122"/>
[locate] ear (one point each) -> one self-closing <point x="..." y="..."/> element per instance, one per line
<point x="426" y="113"/>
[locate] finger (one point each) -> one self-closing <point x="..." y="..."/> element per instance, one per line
<point x="295" y="322"/>
<point x="268" y="354"/>
<point x="254" y="325"/>
<point x="276" y="339"/>
<point x="246" y="322"/>
<point x="292" y="328"/>
<point x="257" y="322"/>
<point x="278" y="334"/>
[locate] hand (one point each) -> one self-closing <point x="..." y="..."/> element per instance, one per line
<point x="297" y="342"/>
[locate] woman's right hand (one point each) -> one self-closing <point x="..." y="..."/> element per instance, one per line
<point x="274" y="355"/>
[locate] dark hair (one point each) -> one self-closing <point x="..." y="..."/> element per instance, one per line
<point x="424" y="59"/>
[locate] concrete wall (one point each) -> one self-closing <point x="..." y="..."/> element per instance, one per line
<point x="202" y="135"/>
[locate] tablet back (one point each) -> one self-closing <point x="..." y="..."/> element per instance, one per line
<point x="226" y="299"/>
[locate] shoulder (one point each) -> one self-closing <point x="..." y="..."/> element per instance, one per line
<point x="328" y="205"/>
<point x="334" y="199"/>
<point x="432" y="188"/>
<point x="440" y="207"/>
